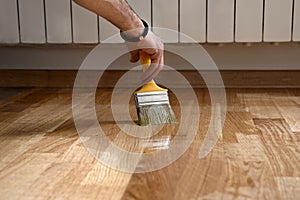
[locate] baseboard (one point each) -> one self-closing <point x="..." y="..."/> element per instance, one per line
<point x="231" y="78"/>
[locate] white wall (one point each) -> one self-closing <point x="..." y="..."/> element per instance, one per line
<point x="263" y="56"/>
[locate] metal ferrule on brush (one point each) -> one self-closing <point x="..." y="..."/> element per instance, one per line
<point x="152" y="101"/>
<point x="151" y="98"/>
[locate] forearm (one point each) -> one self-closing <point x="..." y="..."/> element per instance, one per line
<point x="118" y="12"/>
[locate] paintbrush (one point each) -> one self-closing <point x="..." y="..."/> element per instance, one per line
<point x="152" y="101"/>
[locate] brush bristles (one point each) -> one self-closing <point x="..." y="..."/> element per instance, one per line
<point x="156" y="115"/>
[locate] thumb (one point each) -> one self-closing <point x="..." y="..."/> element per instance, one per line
<point x="134" y="56"/>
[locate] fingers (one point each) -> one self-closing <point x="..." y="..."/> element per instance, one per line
<point x="152" y="46"/>
<point x="134" y="56"/>
<point x="157" y="63"/>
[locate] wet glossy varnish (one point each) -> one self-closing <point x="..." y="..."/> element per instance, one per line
<point x="42" y="157"/>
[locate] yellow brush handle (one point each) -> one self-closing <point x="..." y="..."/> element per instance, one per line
<point x="144" y="60"/>
<point x="151" y="85"/>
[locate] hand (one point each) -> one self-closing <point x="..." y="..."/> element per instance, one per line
<point x="153" y="46"/>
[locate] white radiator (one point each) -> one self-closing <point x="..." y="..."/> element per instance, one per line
<point x="62" y="21"/>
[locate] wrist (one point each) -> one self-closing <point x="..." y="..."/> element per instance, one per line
<point x="136" y="34"/>
<point x="135" y="29"/>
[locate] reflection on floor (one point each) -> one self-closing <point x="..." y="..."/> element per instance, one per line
<point x="258" y="157"/>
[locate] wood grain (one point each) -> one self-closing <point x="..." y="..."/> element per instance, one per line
<point x="257" y="157"/>
<point x="289" y="109"/>
<point x="284" y="161"/>
<point x="260" y="105"/>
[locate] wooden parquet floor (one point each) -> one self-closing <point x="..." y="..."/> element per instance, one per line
<point x="258" y="156"/>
